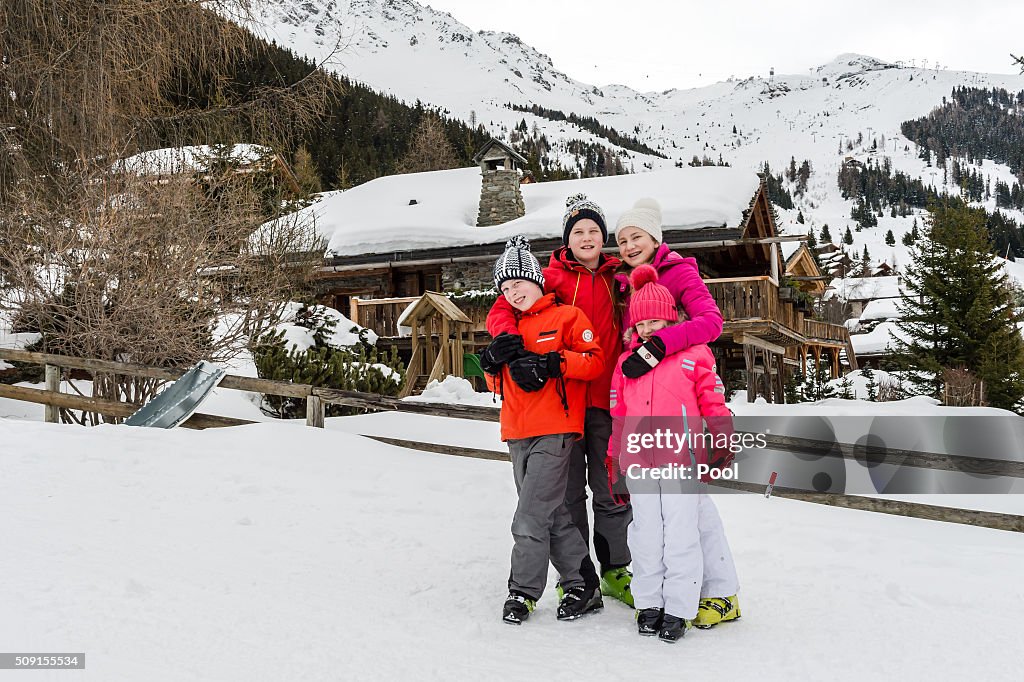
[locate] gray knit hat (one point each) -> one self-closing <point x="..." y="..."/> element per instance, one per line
<point x="578" y="207"/>
<point x="517" y="263"/>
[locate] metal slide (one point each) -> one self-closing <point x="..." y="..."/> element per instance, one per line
<point x="177" y="402"/>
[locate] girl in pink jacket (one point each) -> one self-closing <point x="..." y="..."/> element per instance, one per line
<point x="638" y="234"/>
<point x="683" y="570"/>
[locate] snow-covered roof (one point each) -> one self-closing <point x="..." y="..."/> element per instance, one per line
<point x="788" y="249"/>
<point x="878" y="340"/>
<point x="864" y="288"/>
<point x="881" y="309"/>
<point x="186" y="159"/>
<point x="377" y="216"/>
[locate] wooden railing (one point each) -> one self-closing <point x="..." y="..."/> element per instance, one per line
<point x="746" y="298"/>
<point x="318" y="397"/>
<point x="379" y="314"/>
<point x="757" y="298"/>
<point x="816" y="329"/>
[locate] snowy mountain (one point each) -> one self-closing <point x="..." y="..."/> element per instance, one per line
<point x="418" y="53"/>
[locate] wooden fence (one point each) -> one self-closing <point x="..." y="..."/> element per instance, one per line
<point x="317" y="398"/>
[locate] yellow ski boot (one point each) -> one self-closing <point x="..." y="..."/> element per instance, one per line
<point x="716" y="610"/>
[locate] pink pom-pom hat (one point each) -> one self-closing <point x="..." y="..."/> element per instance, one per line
<point x="650" y="300"/>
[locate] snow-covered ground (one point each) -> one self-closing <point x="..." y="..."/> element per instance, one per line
<point x="275" y="551"/>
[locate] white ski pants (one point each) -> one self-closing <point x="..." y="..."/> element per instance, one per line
<point x="680" y="553"/>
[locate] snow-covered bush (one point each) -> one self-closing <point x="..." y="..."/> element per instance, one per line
<point x="312" y="350"/>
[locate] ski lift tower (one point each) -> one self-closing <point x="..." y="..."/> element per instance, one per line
<point x="771" y="74"/>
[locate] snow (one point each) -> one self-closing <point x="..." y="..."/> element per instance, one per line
<point x="878" y="340"/>
<point x="346" y="333"/>
<point x="881" y="309"/>
<point x="863" y="288"/>
<point x="173" y="160"/>
<point x="173" y="555"/>
<point x="455" y="391"/>
<point x="377" y="217"/>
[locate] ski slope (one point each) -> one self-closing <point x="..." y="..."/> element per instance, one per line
<point x="279" y="552"/>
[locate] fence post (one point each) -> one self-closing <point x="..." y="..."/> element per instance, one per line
<point x="315" y="411"/>
<point x="52" y="412"/>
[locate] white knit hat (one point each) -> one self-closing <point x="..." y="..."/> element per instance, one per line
<point x="646" y="215"/>
<point x="518" y="263"/>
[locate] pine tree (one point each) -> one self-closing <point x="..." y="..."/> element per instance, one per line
<point x="800" y="217"/>
<point x="826" y="236"/>
<point x="430" y="149"/>
<point x="306" y="173"/>
<point x="890" y="238"/>
<point x="848" y="237"/>
<point x="872" y="385"/>
<point x="865" y="263"/>
<point x="958" y="310"/>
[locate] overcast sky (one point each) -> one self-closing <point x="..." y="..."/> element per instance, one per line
<point x="660" y="44"/>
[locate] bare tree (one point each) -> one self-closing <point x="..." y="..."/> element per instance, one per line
<point x="116" y="264"/>
<point x="429" y="149"/>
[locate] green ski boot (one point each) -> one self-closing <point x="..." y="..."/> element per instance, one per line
<point x="615" y="584"/>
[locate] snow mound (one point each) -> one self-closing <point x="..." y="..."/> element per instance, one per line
<point x="454" y="390"/>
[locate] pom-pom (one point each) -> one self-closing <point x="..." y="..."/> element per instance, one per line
<point x="643" y="274"/>
<point x="518" y="242"/>
<point x="575" y="199"/>
<point x="649" y="204"/>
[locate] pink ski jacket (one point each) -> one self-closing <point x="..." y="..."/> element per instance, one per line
<point x="681" y="277"/>
<point x="679" y="394"/>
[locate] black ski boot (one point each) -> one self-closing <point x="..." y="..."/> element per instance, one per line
<point x="579" y="601"/>
<point x="648" y="621"/>
<point x="517" y="608"/>
<point x="672" y="628"/>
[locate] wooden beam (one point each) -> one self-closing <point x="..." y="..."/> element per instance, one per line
<point x="52" y="412"/>
<point x="110" y="408"/>
<point x="749" y="360"/>
<point x="748" y="339"/>
<point x="372" y="401"/>
<point x="269" y="386"/>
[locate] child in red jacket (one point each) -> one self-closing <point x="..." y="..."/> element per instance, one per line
<point x="579" y="275"/>
<point x="543" y="390"/>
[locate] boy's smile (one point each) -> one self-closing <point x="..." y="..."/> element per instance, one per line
<point x="521" y="293"/>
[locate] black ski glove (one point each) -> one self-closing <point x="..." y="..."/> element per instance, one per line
<point x="645" y="358"/>
<point x="531" y="372"/>
<point x="503" y="349"/>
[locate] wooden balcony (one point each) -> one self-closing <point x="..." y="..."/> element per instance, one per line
<point x="753" y="306"/>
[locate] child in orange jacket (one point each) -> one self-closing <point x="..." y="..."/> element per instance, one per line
<point x="580" y="275"/>
<point x="543" y="402"/>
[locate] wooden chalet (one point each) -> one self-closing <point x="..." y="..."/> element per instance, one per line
<point x="766" y="298"/>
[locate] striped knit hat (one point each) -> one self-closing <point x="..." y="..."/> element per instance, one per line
<point x="517" y="263"/>
<point x="650" y="300"/>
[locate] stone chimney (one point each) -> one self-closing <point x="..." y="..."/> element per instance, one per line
<point x="500" y="198"/>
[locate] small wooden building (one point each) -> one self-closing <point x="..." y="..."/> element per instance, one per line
<point x="439" y="335"/>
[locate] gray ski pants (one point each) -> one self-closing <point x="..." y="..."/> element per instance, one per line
<point x="611" y="520"/>
<point x="542" y="528"/>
